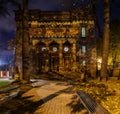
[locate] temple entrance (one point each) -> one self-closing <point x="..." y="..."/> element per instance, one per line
<point x="54" y="57"/>
<point x="67" y="55"/>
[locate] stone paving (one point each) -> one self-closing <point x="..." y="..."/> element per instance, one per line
<point x="57" y="97"/>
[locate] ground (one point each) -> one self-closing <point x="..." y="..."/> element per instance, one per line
<point x="106" y="93"/>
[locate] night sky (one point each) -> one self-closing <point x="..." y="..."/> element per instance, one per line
<point x="8" y="27"/>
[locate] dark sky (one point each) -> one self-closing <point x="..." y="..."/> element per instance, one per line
<point x="8" y="27"/>
<point x="7" y="24"/>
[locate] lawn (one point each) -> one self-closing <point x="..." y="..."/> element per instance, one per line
<point x="4" y="83"/>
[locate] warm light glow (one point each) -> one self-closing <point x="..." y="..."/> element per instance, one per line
<point x="99" y="60"/>
<point x="54" y="32"/>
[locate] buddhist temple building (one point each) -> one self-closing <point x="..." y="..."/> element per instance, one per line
<point x="60" y="41"/>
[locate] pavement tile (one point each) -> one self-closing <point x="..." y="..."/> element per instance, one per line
<point x="56" y="99"/>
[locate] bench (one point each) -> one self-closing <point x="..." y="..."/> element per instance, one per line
<point x="90" y="104"/>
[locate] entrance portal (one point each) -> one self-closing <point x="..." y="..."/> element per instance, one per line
<point x="41" y="57"/>
<point x="67" y="55"/>
<point x="54" y="57"/>
<point x="50" y="59"/>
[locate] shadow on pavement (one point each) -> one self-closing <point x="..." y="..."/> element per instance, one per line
<point x="29" y="107"/>
<point x="77" y="106"/>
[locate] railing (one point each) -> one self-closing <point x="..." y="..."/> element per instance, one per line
<point x="90" y="104"/>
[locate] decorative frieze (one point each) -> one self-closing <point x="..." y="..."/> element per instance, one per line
<point x="50" y="33"/>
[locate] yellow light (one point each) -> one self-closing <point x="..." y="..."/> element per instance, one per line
<point x="99" y="60"/>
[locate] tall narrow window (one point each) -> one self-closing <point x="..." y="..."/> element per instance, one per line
<point x="83" y="32"/>
<point x="84" y="49"/>
<point x="84" y="63"/>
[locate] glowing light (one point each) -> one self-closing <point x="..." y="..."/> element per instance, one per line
<point x="99" y="60"/>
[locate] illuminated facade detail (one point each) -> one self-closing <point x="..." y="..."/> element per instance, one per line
<point x="43" y="48"/>
<point x="84" y="63"/>
<point x="84" y="49"/>
<point x="83" y="32"/>
<point x="56" y="39"/>
<point x="66" y="49"/>
<point x="55" y="49"/>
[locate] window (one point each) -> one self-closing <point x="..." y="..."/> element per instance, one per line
<point x="66" y="49"/>
<point x="43" y="48"/>
<point x="84" y="49"/>
<point x="54" y="49"/>
<point x="83" y="32"/>
<point x="84" y="63"/>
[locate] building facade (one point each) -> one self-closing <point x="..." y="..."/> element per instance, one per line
<point x="60" y="40"/>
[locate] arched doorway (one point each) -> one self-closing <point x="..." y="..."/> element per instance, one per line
<point x="41" y="57"/>
<point x="54" y="56"/>
<point x="67" y="55"/>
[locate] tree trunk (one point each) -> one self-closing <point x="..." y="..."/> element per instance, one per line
<point x="25" y="43"/>
<point x="105" y="41"/>
<point x="18" y="50"/>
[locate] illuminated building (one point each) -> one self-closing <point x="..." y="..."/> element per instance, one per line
<point x="60" y="40"/>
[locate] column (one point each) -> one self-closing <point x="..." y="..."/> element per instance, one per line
<point x="60" y="57"/>
<point x="47" y="58"/>
<point x="74" y="56"/>
<point x="37" y="61"/>
<point x="33" y="62"/>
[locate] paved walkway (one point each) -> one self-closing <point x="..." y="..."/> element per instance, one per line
<point x="54" y="98"/>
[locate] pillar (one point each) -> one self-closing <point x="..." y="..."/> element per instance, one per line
<point x="47" y="58"/>
<point x="60" y="57"/>
<point x="74" y="56"/>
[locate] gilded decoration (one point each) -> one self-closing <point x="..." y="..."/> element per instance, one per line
<point x="58" y="29"/>
<point x="54" y="32"/>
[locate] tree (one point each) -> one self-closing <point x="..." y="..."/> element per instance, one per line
<point x="114" y="46"/>
<point x="25" y="44"/>
<point x="105" y="50"/>
<point x="3" y="12"/>
<point x="3" y="6"/>
<point x="25" y="38"/>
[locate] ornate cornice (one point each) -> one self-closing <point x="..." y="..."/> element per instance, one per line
<point x="46" y="16"/>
